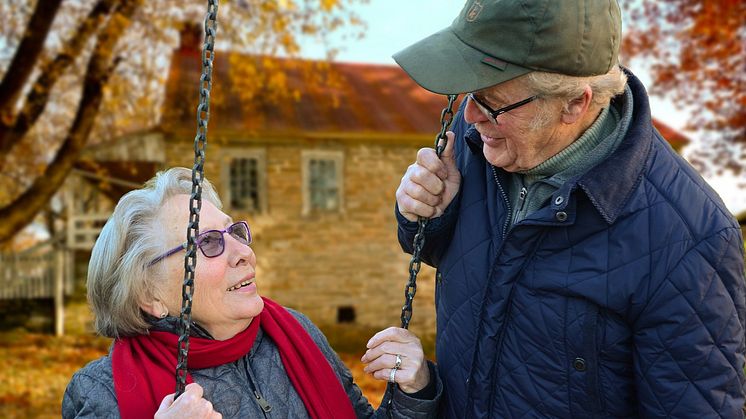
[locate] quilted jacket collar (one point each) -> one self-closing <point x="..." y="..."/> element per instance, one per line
<point x="610" y="184"/>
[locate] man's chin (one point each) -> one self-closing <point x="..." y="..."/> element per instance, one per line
<point x="498" y="160"/>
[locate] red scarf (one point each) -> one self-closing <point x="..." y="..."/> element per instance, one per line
<point x="144" y="366"/>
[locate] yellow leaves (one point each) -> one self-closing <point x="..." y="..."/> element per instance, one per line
<point x="328" y="5"/>
<point x="37" y="368"/>
<point x="277" y="81"/>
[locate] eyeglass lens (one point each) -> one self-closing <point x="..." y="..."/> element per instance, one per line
<point x="212" y="242"/>
<point x="240" y="232"/>
<point x="483" y="109"/>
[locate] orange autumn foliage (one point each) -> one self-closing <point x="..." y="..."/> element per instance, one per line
<point x="697" y="54"/>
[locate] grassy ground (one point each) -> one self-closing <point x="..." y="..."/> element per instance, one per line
<point x="37" y="367"/>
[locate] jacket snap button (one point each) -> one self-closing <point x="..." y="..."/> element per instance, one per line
<point x="579" y="364"/>
<point x="559" y="200"/>
<point x="561" y="216"/>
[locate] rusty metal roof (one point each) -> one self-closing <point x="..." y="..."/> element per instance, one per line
<point x="362" y="99"/>
<point x="371" y="100"/>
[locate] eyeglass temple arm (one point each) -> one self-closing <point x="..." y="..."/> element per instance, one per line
<point x="167" y="254"/>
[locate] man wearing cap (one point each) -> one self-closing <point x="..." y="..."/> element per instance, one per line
<point x="584" y="268"/>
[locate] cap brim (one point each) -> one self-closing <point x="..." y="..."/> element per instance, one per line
<point x="442" y="63"/>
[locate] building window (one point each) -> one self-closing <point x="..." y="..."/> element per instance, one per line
<point x="322" y="181"/>
<point x="243" y="180"/>
<point x="244" y="185"/>
<point x="346" y="314"/>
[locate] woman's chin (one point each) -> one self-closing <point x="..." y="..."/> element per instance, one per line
<point x="255" y="305"/>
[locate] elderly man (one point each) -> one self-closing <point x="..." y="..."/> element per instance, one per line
<point x="584" y="268"/>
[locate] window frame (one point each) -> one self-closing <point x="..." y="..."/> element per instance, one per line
<point x="337" y="156"/>
<point x="260" y="155"/>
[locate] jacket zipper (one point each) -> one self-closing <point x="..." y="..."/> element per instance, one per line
<point x="521" y="201"/>
<point x="509" y="306"/>
<point x="505" y="199"/>
<point x="470" y="399"/>
<point x="260" y="400"/>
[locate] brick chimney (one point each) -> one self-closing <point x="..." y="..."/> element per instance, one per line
<point x="190" y="39"/>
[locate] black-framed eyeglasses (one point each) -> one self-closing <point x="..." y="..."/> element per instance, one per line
<point x="492" y="114"/>
<point x="212" y="242"/>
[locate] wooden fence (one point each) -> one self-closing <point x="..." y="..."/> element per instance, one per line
<point x="43" y="271"/>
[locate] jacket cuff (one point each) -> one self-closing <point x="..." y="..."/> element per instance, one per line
<point x="434" y="225"/>
<point x="409" y="406"/>
<point x="430" y="390"/>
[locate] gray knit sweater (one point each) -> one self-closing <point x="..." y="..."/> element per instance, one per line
<point x="90" y="393"/>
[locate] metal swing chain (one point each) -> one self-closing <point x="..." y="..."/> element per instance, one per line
<point x="446" y="117"/>
<point x="195" y="200"/>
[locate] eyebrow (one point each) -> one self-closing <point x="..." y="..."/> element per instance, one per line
<point x="493" y="98"/>
<point x="228" y="220"/>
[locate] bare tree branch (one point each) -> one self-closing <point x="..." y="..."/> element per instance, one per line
<point x="51" y="71"/>
<point x="26" y="55"/>
<point x="35" y="198"/>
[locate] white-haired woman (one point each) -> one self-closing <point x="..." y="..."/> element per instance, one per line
<point x="249" y="356"/>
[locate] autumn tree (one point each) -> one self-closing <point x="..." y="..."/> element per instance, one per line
<point x="75" y="70"/>
<point x="696" y="51"/>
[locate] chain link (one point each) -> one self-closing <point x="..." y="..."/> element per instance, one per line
<point x="446" y="117"/>
<point x="195" y="200"/>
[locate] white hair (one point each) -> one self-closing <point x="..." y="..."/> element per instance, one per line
<point x="119" y="275"/>
<point x="566" y="88"/>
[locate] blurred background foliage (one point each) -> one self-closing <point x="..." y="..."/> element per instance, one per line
<point x="696" y="53"/>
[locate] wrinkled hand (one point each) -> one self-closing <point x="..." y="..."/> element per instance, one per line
<point x="413" y="374"/>
<point x="429" y="184"/>
<point x="189" y="405"/>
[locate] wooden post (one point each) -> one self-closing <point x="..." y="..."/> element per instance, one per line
<point x="59" y="288"/>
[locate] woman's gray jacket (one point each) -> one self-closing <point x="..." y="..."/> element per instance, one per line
<point x="230" y="387"/>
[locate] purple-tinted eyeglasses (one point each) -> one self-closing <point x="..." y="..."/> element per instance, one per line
<point x="212" y="242"/>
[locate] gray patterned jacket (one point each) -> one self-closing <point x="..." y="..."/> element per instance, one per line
<point x="90" y="393"/>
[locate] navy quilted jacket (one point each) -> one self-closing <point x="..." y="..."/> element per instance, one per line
<point x="623" y="297"/>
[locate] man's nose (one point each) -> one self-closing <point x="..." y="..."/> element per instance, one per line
<point x="472" y="113"/>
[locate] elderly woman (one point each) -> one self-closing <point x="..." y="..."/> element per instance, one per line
<point x="249" y="356"/>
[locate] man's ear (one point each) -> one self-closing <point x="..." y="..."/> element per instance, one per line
<point x="155" y="308"/>
<point x="578" y="107"/>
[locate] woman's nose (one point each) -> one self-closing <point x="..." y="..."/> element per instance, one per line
<point x="472" y="113"/>
<point x="239" y="253"/>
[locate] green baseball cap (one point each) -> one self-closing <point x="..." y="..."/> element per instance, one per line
<point x="493" y="41"/>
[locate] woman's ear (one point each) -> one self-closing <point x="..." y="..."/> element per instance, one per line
<point x="576" y="109"/>
<point x="155" y="308"/>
